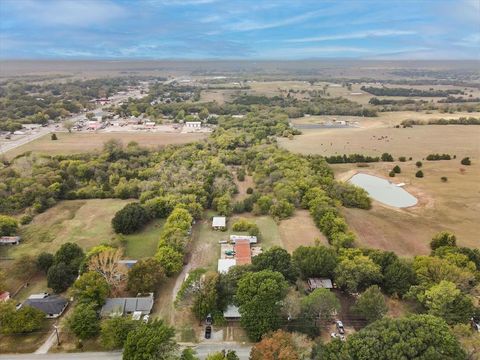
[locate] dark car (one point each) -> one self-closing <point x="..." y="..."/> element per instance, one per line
<point x="208" y="332"/>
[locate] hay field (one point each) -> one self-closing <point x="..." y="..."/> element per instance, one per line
<point x="71" y="143"/>
<point x="300" y="230"/>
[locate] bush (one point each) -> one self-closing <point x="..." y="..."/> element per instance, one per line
<point x="397" y="169"/>
<point x="54" y="137"/>
<point x="466" y="161"/>
<point x="26" y="219"/>
<point x="419" y="174"/>
<point x="246" y="225"/>
<point x="444" y="179"/>
<point x="8" y="225"/>
<point x="391" y="173"/>
<point x="419" y="164"/>
<point x="129" y="219"/>
<point x="387" y="157"/>
<point x="249" y="191"/>
<point x="402" y="159"/>
<point x="443" y="238"/>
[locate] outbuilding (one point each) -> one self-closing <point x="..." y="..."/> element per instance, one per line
<point x="319" y="283"/>
<point x="219" y="222"/>
<point x="225" y="264"/>
<point x="232" y="313"/>
<point x="10" y="240"/>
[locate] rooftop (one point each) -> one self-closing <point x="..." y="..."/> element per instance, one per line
<point x="219" y="221"/>
<point x="243" y="254"/>
<point x="52" y="304"/>
<point x="320" y="283"/>
<point x="121" y="306"/>
<point x="225" y="264"/>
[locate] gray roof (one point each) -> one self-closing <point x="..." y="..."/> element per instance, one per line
<point x="122" y="306"/>
<point x="232" y="312"/>
<point x="319" y="283"/>
<point x="52" y="304"/>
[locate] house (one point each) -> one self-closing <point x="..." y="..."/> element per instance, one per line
<point x="127" y="306"/>
<point x="319" y="283"/>
<point x="150" y="124"/>
<point x="232" y="313"/>
<point x="219" y="222"/>
<point x="225" y="264"/>
<point x="193" y="124"/>
<point x="52" y="305"/>
<point x="243" y="254"/>
<point x="4" y="296"/>
<point x="10" y="240"/>
<point x="251" y="239"/>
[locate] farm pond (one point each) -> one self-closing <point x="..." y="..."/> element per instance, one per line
<point x="384" y="191"/>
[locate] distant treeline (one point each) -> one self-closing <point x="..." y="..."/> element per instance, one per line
<point x="357" y="158"/>
<point x="459" y="121"/>
<point x="385" y="91"/>
<point x="459" y="99"/>
<point x="377" y="101"/>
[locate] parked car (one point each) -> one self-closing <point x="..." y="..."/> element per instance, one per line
<point x="209" y="320"/>
<point x="208" y="332"/>
<point x="146" y="318"/>
<point x="340" y="327"/>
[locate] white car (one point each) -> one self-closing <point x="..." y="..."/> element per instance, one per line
<point x="146" y="318"/>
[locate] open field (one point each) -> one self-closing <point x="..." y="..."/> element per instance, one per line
<point x="452" y="206"/>
<point x="143" y="243"/>
<point x="300" y="230"/>
<point x="71" y="143"/>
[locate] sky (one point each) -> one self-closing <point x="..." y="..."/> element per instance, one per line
<point x="242" y="29"/>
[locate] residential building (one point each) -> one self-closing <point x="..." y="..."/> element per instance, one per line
<point x="52" y="305"/>
<point x="319" y="283"/>
<point x="243" y="253"/>
<point x="127" y="306"/>
<point x="193" y="124"/>
<point x="251" y="239"/>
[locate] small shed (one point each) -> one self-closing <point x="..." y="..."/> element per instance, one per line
<point x="250" y="239"/>
<point x="225" y="264"/>
<point x="219" y="222"/>
<point x="232" y="313"/>
<point x="193" y="124"/>
<point x="319" y="283"/>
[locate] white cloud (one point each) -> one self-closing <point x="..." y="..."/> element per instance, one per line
<point x="255" y="25"/>
<point x="68" y="13"/>
<point x="472" y="40"/>
<point x="354" y="35"/>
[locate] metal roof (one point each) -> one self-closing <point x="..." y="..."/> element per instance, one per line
<point x="225" y="264"/>
<point x="52" y="304"/>
<point x="219" y="221"/>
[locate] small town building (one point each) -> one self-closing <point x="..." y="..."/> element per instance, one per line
<point x="150" y="124"/>
<point x="251" y="239"/>
<point x="10" y="240"/>
<point x="232" y="313"/>
<point x="52" y="305"/>
<point x="193" y="124"/>
<point x="243" y="253"/>
<point x="127" y="306"/>
<point x="225" y="264"/>
<point x="219" y="222"/>
<point x="128" y="263"/>
<point x="319" y="283"/>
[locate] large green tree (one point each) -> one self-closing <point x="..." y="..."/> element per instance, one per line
<point x="24" y="320"/>
<point x="114" y="331"/>
<point x="320" y="304"/>
<point x="91" y="287"/>
<point x="152" y="341"/>
<point x="206" y="295"/>
<point x="315" y="261"/>
<point x="275" y="259"/>
<point x="84" y="322"/>
<point x="170" y="259"/>
<point x="371" y="304"/>
<point x="259" y="295"/>
<point x="357" y="273"/>
<point x="145" y="276"/>
<point x="130" y="219"/>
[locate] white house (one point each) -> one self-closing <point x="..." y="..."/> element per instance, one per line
<point x="193" y="124"/>
<point x="219" y="222"/>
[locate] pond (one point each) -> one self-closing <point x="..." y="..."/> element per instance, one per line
<point x="384" y="191"/>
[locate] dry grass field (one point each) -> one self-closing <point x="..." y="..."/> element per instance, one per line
<point x="300" y="230"/>
<point x="85" y="142"/>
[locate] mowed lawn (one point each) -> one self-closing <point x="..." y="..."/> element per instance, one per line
<point x="143" y="243"/>
<point x="71" y="143"/>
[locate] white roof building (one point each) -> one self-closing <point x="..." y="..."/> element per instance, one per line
<point x="194" y="124"/>
<point x="251" y="239"/>
<point x="232" y="312"/>
<point x="219" y="221"/>
<point x="225" y="264"/>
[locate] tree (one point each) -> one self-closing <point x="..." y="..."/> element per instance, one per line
<point x="44" y="261"/>
<point x="397" y="169"/>
<point x="145" y="276"/>
<point x="188" y="354"/>
<point x="259" y="295"/>
<point x="68" y="124"/>
<point x="60" y="276"/>
<point x="107" y="264"/>
<point x="129" y="219"/>
<point x="466" y="161"/>
<point x="443" y="238"/>
<point x="24" y="320"/>
<point x="223" y="204"/>
<point x="357" y="274"/>
<point x="398" y="277"/>
<point x="223" y="355"/>
<point x="8" y="225"/>
<point x="54" y="137"/>
<point x="419" y="174"/>
<point x="418" y="164"/>
<point x="282" y="345"/>
<point x="84" y="321"/>
<point x="153" y="341"/>
<point x="114" y="331"/>
<point x="262" y="205"/>
<point x="206" y="296"/>
<point x="170" y="259"/>
<point x="391" y="173"/>
<point x="315" y="261"/>
<point x="412" y="337"/>
<point x="371" y="304"/>
<point x="275" y="259"/>
<point x="387" y="157"/>
<point x="91" y="287"/>
<point x="71" y="254"/>
<point x="203" y="114"/>
<point x="445" y="300"/>
<point x="246" y="225"/>
<point x="321" y="304"/>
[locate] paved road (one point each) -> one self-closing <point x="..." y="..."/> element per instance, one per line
<point x="7" y="146"/>
<point x="243" y="352"/>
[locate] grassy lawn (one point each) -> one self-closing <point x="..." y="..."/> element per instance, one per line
<point x="25" y="343"/>
<point x="144" y="243"/>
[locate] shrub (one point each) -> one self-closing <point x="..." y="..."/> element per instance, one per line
<point x="444" y="179"/>
<point x="8" y="225"/>
<point x="249" y="191"/>
<point x="246" y="225"/>
<point x="402" y="159"/>
<point x="397" y="169"/>
<point x="387" y="157"/>
<point x="419" y="164"/>
<point x="466" y="161"/>
<point x="26" y="219"/>
<point x="54" y="136"/>
<point x="391" y="173"/>
<point x="419" y="174"/>
<point x="129" y="219"/>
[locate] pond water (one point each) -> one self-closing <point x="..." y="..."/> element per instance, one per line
<point x="384" y="191"/>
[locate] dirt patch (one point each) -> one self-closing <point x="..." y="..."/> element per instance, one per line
<point x="242" y="187"/>
<point x="300" y="230"/>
